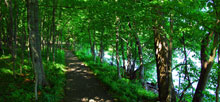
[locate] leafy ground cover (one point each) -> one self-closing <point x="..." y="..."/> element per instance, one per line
<point x="21" y="88"/>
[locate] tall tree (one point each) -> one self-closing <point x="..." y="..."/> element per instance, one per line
<point x="129" y="41"/>
<point x="54" y="28"/>
<point x="101" y="50"/>
<point x="163" y="53"/>
<point x="91" y="45"/>
<point x="117" y="46"/>
<point x="122" y="51"/>
<point x="138" y="43"/>
<point x="33" y="26"/>
<point x="218" y="81"/>
<point x="11" y="30"/>
<point x="23" y="42"/>
<point x="206" y="64"/>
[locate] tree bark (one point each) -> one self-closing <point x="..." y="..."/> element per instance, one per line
<point x="61" y="40"/>
<point x="42" y="27"/>
<point x="117" y="52"/>
<point x="206" y="65"/>
<point x="171" y="90"/>
<point x="13" y="34"/>
<point x="128" y="53"/>
<point x="186" y="68"/>
<point x="54" y="28"/>
<point x="101" y="50"/>
<point x="140" y="58"/>
<point x="23" y="47"/>
<point x="94" y="40"/>
<point x="217" y="13"/>
<point x="138" y="43"/>
<point x="133" y="75"/>
<point x="91" y="45"/>
<point x="40" y="79"/>
<point x="1" y="30"/>
<point x="123" y="55"/>
<point x="1" y="40"/>
<point x="122" y="51"/>
<point x="1" y="35"/>
<point x="161" y="53"/>
<point x="112" y="63"/>
<point x="28" y="44"/>
<point x="218" y="81"/>
<point x="48" y="42"/>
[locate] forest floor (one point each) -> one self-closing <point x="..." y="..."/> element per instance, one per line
<point x="81" y="84"/>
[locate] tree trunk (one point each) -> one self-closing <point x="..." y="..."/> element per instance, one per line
<point x="23" y="47"/>
<point x="117" y="52"/>
<point x="140" y="58"/>
<point x="48" y="43"/>
<point x="28" y="44"/>
<point x="186" y="68"/>
<point x="128" y="54"/>
<point x="206" y="65"/>
<point x="122" y="51"/>
<point x="161" y="53"/>
<point x="61" y="40"/>
<point x="58" y="40"/>
<point x="133" y="72"/>
<point x="217" y="12"/>
<point x="40" y="79"/>
<point x="13" y="34"/>
<point x="218" y="81"/>
<point x="101" y="51"/>
<point x="54" y="29"/>
<point x="91" y="44"/>
<point x="1" y="32"/>
<point x="171" y="90"/>
<point x="163" y="62"/>
<point x="112" y="55"/>
<point x="94" y="58"/>
<point x="1" y="40"/>
<point x="138" y="43"/>
<point x="57" y="45"/>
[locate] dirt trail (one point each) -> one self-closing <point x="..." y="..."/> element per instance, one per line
<point x="81" y="84"/>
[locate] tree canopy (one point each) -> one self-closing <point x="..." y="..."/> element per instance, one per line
<point x="172" y="44"/>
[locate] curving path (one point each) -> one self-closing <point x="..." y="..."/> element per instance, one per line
<point x="81" y="84"/>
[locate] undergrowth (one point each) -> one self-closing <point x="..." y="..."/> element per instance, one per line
<point x="21" y="88"/>
<point x="125" y="90"/>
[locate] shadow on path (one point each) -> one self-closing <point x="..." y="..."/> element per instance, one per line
<point x="81" y="84"/>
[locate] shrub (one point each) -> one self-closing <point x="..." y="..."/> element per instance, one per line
<point x="125" y="90"/>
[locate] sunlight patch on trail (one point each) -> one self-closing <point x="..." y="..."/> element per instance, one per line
<point x="95" y="99"/>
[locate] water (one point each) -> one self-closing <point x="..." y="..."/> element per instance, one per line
<point x="179" y="59"/>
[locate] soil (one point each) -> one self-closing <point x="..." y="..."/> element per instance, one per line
<point x="81" y="84"/>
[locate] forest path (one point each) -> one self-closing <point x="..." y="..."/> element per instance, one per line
<point x="81" y="84"/>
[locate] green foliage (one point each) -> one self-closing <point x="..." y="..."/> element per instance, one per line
<point x="125" y="90"/>
<point x="21" y="89"/>
<point x="54" y="70"/>
<point x="75" y="19"/>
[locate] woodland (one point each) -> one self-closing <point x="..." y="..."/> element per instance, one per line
<point x="140" y="50"/>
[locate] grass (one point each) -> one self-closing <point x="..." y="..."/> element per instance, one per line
<point x="124" y="90"/>
<point x="21" y="88"/>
